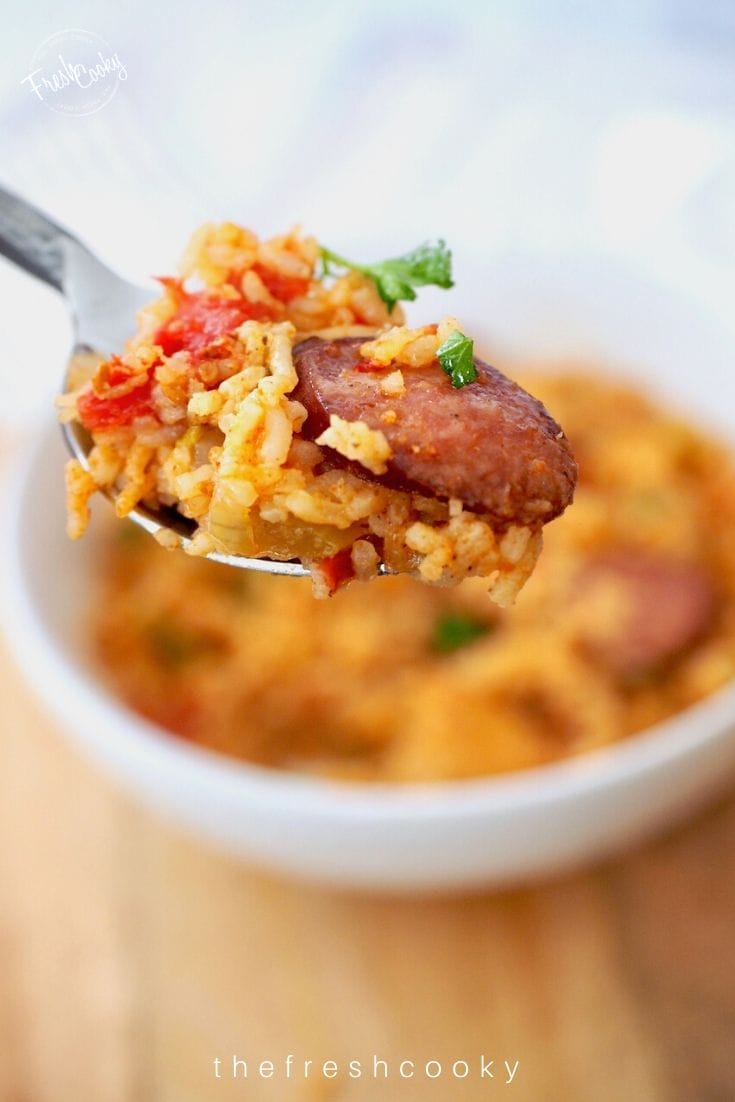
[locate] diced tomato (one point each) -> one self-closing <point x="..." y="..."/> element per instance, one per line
<point x="96" y="412"/>
<point x="203" y="317"/>
<point x="280" y="286"/>
<point x="337" y="570"/>
<point x="116" y="372"/>
<point x="119" y="393"/>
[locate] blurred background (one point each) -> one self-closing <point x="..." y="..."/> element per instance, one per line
<point x="531" y="123"/>
<point x="128" y="957"/>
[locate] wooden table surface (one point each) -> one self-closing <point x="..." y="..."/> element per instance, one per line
<point x="130" y="958"/>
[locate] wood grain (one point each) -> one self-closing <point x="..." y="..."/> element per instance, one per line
<point x="130" y="957"/>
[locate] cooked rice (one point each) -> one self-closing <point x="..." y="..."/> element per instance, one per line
<point x="356" y="687"/>
<point x="356" y="440"/>
<point x="220" y="440"/>
<point x="393" y="385"/>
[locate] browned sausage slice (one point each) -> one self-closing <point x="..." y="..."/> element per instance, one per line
<point x="642" y="609"/>
<point x="490" y="444"/>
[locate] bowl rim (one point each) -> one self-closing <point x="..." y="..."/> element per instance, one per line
<point x="55" y="676"/>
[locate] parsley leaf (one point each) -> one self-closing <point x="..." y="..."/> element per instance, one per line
<point x="174" y="645"/>
<point x="454" y="630"/>
<point x="455" y="357"/>
<point x="429" y="264"/>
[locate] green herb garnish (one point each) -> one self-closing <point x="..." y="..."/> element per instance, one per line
<point x="429" y="264"/>
<point x="174" y="646"/>
<point x="455" y="357"/>
<point x="454" y="630"/>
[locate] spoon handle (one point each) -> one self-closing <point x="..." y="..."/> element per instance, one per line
<point x="31" y="240"/>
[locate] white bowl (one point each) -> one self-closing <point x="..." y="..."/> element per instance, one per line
<point x="444" y="835"/>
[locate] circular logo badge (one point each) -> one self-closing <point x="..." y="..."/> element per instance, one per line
<point x="75" y="72"/>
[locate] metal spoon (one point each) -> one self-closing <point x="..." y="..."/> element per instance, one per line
<point x="101" y="306"/>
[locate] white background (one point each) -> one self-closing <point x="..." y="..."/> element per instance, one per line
<point x="542" y="126"/>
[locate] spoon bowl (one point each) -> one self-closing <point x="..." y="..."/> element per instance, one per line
<point x="101" y="305"/>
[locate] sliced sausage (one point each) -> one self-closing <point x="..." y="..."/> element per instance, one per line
<point x="489" y="443"/>
<point x="643" y="609"/>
